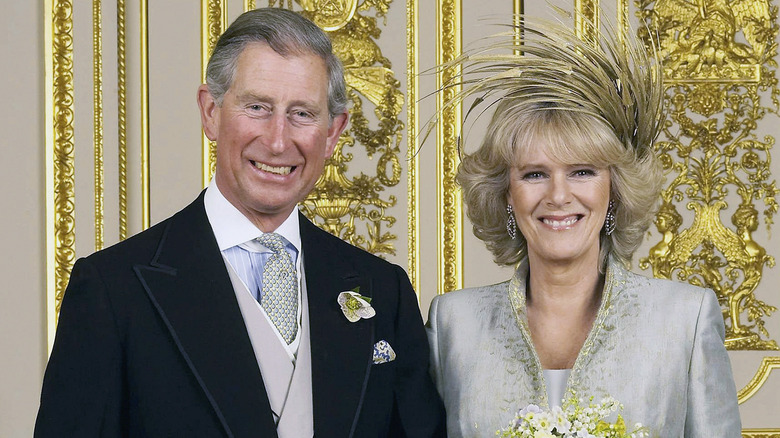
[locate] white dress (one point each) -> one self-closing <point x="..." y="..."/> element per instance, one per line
<point x="656" y="346"/>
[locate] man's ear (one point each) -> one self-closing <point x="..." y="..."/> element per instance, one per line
<point x="336" y="127"/>
<point x="209" y="116"/>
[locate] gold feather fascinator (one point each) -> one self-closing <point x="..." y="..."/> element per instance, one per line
<point x="611" y="76"/>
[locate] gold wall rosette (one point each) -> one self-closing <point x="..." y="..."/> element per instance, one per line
<point x="718" y="61"/>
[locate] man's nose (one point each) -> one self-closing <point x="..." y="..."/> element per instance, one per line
<point x="277" y="135"/>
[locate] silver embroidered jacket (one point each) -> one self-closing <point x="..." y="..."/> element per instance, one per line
<point x="656" y="346"/>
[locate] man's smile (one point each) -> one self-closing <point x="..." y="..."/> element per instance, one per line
<point x="278" y="170"/>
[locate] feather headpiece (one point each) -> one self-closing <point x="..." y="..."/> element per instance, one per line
<point x="612" y="76"/>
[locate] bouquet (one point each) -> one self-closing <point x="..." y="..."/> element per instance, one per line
<point x="572" y="420"/>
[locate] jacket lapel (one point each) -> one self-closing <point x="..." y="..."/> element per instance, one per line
<point x="341" y="352"/>
<point x="188" y="284"/>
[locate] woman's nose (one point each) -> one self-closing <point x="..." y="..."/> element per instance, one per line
<point x="560" y="190"/>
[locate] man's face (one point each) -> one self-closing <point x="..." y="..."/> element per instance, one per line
<point x="273" y="132"/>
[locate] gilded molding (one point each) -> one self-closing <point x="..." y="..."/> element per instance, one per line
<point x="449" y="212"/>
<point x="518" y="9"/>
<point x="718" y="61"/>
<point x="59" y="155"/>
<point x="760" y="433"/>
<point x="249" y="5"/>
<point x="213" y="21"/>
<point x="768" y="364"/>
<point x="145" y="186"/>
<point x="97" y="121"/>
<point x="586" y="19"/>
<point x="121" y="80"/>
<point x="412" y="121"/>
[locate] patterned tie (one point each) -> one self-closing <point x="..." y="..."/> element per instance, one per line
<point x="280" y="287"/>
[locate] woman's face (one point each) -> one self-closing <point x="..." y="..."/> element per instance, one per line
<point x="559" y="208"/>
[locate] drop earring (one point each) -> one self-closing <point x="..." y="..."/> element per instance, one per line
<point x="609" y="221"/>
<point x="511" y="224"/>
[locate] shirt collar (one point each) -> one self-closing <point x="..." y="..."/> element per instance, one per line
<point x="232" y="228"/>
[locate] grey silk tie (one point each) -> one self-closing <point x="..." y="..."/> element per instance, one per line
<point x="280" y="287"/>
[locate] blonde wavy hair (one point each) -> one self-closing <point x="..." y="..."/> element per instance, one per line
<point x="595" y="101"/>
<point x="572" y="138"/>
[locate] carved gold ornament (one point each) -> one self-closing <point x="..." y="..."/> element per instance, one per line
<point x="60" y="159"/>
<point x="718" y="62"/>
<point x="339" y="202"/>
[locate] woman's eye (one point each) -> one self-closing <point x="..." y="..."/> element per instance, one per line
<point x="584" y="172"/>
<point x="533" y="175"/>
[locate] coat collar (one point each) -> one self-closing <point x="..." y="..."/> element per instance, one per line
<point x="614" y="284"/>
<point x="341" y="351"/>
<point x="188" y="284"/>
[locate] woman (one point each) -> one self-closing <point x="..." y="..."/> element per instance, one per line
<point x="564" y="186"/>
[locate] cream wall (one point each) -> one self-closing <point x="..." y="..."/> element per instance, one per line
<point x="22" y="307"/>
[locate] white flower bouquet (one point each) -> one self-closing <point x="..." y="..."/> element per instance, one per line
<point x="572" y="420"/>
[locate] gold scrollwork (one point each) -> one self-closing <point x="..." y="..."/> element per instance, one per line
<point x="338" y="202"/>
<point x="60" y="175"/>
<point x="450" y="220"/>
<point x="64" y="168"/>
<point x="709" y="148"/>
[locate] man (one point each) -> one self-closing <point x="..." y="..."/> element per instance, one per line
<point x="224" y="320"/>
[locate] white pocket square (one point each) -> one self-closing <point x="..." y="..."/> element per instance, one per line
<point x="383" y="352"/>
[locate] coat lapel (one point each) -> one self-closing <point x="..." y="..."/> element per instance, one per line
<point x="341" y="352"/>
<point x="188" y="284"/>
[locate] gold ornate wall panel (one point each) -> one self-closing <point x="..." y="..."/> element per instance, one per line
<point x="63" y="43"/>
<point x="718" y="61"/>
<point x="720" y="72"/>
<point x="448" y="194"/>
<point x="60" y="170"/>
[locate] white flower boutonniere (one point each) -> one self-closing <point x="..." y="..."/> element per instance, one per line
<point x="355" y="306"/>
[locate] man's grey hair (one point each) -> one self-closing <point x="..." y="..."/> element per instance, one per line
<point x="288" y="34"/>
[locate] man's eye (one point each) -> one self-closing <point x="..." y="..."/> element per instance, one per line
<point x="302" y="116"/>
